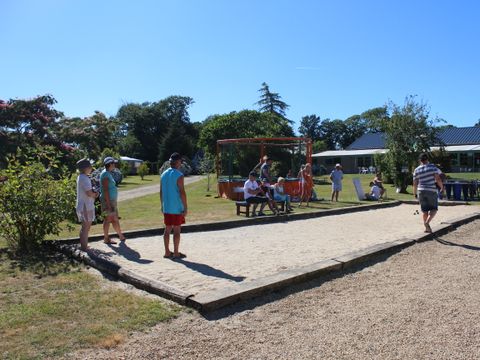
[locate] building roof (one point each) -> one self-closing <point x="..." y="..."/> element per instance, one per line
<point x="454" y="139"/>
<point x="368" y="141"/>
<point x="448" y="136"/>
<point x="461" y="136"/>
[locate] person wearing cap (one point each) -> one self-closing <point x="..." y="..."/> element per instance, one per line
<point x="85" y="205"/>
<point x="252" y="193"/>
<point x="173" y="200"/>
<point x="336" y="177"/>
<point x="425" y="180"/>
<point x="108" y="197"/>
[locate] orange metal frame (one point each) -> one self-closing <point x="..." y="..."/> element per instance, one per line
<point x="225" y="189"/>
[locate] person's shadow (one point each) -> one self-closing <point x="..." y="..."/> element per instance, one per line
<point x="209" y="271"/>
<point x="128" y="253"/>
<point x="465" y="246"/>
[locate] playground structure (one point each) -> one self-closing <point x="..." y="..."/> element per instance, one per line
<point x="233" y="165"/>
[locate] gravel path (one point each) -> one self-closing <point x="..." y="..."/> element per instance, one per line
<point x="420" y="303"/>
<point x="150" y="189"/>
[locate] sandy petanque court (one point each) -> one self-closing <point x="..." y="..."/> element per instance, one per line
<point x="219" y="259"/>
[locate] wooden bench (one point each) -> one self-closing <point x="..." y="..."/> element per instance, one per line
<point x="243" y="207"/>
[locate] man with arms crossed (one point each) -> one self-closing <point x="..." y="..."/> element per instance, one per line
<point x="425" y="177"/>
<point x="174" y="205"/>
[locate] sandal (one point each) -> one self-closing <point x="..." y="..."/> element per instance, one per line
<point x="109" y="241"/>
<point x="179" y="256"/>
<point x="123" y="239"/>
<point x="168" y="256"/>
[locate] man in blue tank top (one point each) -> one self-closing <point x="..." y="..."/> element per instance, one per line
<point x="173" y="200"/>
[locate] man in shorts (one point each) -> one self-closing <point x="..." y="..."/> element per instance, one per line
<point x="336" y="177"/>
<point x="425" y="178"/>
<point x="174" y="205"/>
<point x="253" y="194"/>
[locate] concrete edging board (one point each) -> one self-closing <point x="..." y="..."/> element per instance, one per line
<point x="216" y="299"/>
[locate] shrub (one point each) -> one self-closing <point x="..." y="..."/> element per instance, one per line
<point x="143" y="170"/>
<point x="33" y="203"/>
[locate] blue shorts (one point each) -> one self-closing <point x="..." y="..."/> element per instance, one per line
<point x="428" y="200"/>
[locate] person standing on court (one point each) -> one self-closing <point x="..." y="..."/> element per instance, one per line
<point x="108" y="198"/>
<point x="336" y="177"/>
<point x="173" y="200"/>
<point x="425" y="178"/>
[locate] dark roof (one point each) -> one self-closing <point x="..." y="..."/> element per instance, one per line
<point x="368" y="141"/>
<point x="449" y="136"/>
<point x="461" y="136"/>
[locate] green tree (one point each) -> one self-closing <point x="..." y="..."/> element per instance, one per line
<point x="175" y="140"/>
<point x="207" y="166"/>
<point x="145" y="125"/>
<point x="34" y="200"/>
<point x="271" y="102"/>
<point x="375" y="119"/>
<point x="310" y="127"/>
<point x="143" y="169"/>
<point x="331" y="132"/>
<point x="319" y="146"/>
<point x="243" y="124"/>
<point x="408" y="132"/>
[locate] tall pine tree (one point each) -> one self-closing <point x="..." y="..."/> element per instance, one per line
<point x="272" y="103"/>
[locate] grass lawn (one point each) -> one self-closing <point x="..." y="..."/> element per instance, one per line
<point x="135" y="181"/>
<point x="53" y="306"/>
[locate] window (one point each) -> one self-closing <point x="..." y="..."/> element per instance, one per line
<point x="364" y="161"/>
<point x="332" y="161"/>
<point x="454" y="159"/>
<point x="466" y="159"/>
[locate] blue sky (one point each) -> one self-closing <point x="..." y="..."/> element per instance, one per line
<point x="329" y="58"/>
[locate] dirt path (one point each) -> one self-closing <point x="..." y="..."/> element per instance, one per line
<point x="421" y="303"/>
<point x="151" y="189"/>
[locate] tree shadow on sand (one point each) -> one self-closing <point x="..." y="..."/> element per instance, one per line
<point x="208" y="270"/>
<point x="449" y="243"/>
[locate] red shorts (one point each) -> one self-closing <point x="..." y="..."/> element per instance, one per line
<point x="173" y="219"/>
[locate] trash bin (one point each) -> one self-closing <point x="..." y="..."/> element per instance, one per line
<point x="448" y="188"/>
<point x="457" y="191"/>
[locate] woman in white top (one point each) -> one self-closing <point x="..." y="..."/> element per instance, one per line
<point x="280" y="195"/>
<point x="85" y="201"/>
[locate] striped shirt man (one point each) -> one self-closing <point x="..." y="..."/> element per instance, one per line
<point x="425" y="175"/>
